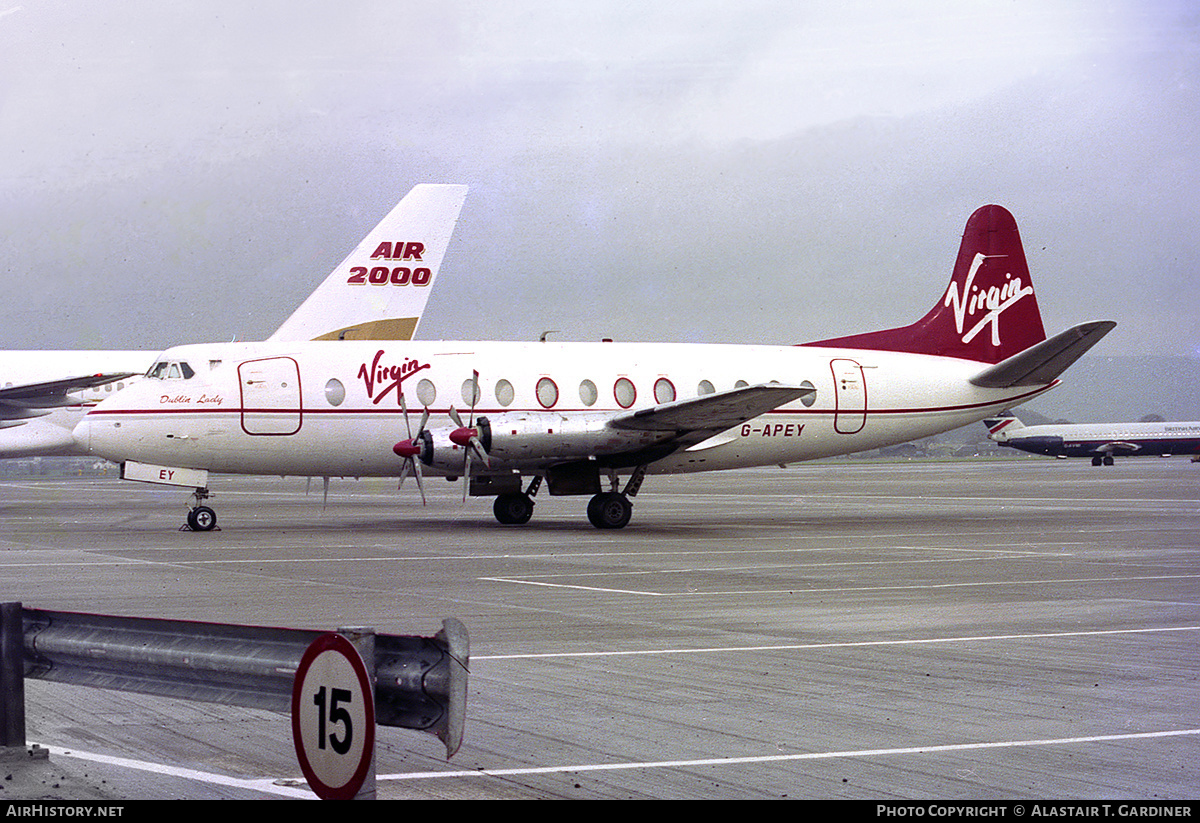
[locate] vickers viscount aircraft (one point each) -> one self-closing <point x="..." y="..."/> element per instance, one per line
<point x="46" y="393"/>
<point x="1099" y="441"/>
<point x="580" y="416"/>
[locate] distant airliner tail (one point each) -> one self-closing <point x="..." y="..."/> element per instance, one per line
<point x="379" y="292"/>
<point x="1000" y="427"/>
<point x="988" y="313"/>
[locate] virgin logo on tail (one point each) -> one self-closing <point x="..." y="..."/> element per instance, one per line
<point x="993" y="300"/>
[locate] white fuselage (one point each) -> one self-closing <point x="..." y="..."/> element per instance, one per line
<point x="333" y="408"/>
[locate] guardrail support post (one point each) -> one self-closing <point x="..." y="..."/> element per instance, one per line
<point x="12" y="676"/>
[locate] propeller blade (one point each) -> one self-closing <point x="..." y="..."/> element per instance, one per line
<point x="477" y="446"/>
<point x="409" y="450"/>
<point x="407" y="425"/>
<point x="468" y="436"/>
<point x="474" y="395"/>
<point x="404" y="408"/>
<point x="466" y="474"/>
<point x="420" y="483"/>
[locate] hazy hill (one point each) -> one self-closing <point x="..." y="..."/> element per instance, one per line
<point x="1119" y="389"/>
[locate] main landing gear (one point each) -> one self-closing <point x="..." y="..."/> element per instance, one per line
<point x="515" y="508"/>
<point x="1106" y="460"/>
<point x="606" y="510"/>
<point x="610" y="510"/>
<point x="200" y="518"/>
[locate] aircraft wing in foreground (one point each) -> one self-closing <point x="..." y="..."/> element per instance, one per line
<point x="585" y="418"/>
<point x="37" y="414"/>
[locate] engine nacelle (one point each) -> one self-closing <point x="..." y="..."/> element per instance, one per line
<point x="518" y="439"/>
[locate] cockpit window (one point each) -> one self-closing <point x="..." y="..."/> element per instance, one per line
<point x="171" y="370"/>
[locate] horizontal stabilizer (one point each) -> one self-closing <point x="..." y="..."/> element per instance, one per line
<point x="712" y="412"/>
<point x="1043" y="362"/>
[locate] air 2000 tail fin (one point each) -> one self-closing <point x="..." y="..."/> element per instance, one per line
<point x="989" y="311"/>
<point x="380" y="290"/>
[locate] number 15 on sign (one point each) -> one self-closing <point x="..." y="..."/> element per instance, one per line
<point x="333" y="718"/>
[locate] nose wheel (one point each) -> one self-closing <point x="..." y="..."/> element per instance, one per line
<point x="200" y="518"/>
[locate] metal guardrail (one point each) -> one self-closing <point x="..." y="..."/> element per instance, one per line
<point x="420" y="682"/>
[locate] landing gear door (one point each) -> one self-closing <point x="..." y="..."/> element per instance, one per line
<point x="850" y="394"/>
<point x="270" y="396"/>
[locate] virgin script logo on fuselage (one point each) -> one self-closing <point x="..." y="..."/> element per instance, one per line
<point x="993" y="301"/>
<point x="379" y="379"/>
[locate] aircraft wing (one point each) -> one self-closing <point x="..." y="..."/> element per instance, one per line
<point x="22" y="401"/>
<point x="701" y="417"/>
<point x="1117" y="447"/>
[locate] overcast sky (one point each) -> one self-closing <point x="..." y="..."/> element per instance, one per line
<point x="701" y="171"/>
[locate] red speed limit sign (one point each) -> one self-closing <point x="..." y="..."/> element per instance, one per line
<point x="333" y="718"/>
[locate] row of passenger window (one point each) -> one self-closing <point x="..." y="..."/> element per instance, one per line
<point x="108" y="387"/>
<point x="624" y="392"/>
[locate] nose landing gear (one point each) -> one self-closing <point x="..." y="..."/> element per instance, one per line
<point x="200" y="518"/>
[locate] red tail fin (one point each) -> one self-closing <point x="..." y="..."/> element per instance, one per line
<point x="988" y="313"/>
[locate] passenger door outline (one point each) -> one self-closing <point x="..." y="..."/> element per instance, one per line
<point x="270" y="393"/>
<point x="850" y="396"/>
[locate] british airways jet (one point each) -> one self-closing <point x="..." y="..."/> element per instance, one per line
<point x="1099" y="441"/>
<point x="593" y="419"/>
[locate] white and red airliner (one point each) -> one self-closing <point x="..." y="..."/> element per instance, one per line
<point x="588" y="419"/>
<point x="44" y="394"/>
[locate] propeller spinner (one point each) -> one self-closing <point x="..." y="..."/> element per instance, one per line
<point x="411" y="448"/>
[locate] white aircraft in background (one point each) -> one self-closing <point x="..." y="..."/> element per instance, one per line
<point x="579" y="415"/>
<point x="1099" y="441"/>
<point x="377" y="293"/>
